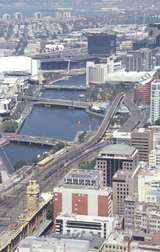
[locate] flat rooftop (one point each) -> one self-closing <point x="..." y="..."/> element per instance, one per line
<point x="118" y="149"/>
<point x="83" y="174"/>
<point x="86" y="218"/>
<point x="54" y="244"/>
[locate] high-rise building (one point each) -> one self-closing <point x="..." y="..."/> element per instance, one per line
<point x="81" y="194"/>
<point x="99" y="73"/>
<point x="101" y="44"/>
<point x="116" y="157"/>
<point x="141" y="139"/>
<point x="155" y="101"/>
<point x="124" y="184"/>
<point x="138" y="60"/>
<point x="129" y="206"/>
<point x="154" y="34"/>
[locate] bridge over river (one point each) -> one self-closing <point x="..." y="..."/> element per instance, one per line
<point x="65" y="87"/>
<point x="57" y="102"/>
<point x="33" y="140"/>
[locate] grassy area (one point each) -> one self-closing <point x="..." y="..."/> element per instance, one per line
<point x="89" y="165"/>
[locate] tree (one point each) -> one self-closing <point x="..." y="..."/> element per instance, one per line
<point x="157" y="122"/>
<point x="20" y="164"/>
<point x="9" y="126"/>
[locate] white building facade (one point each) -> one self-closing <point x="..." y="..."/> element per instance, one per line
<point x="155" y="101"/>
<point x="86" y="226"/>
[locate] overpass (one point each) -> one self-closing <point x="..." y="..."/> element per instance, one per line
<point x="57" y="102"/>
<point x="15" y="138"/>
<point x="65" y="87"/>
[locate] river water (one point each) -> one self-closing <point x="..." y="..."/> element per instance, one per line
<point x="54" y="122"/>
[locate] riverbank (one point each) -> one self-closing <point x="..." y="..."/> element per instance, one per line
<point x="27" y="111"/>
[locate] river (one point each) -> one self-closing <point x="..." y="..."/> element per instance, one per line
<point x="54" y="122"/>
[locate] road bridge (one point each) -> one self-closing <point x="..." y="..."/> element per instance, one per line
<point x="33" y="140"/>
<point x="65" y="87"/>
<point x="57" y="102"/>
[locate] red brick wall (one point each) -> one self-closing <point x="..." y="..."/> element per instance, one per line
<point x="80" y="204"/>
<point x="57" y="204"/>
<point x="103" y="203"/>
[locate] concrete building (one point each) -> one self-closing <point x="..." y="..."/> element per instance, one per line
<point x="147" y="218"/>
<point x="63" y="13"/>
<point x="117" y="242"/>
<point x="74" y="197"/>
<point x="49" y="244"/>
<point x="114" y="72"/>
<point x="141" y="139"/>
<point x="155" y="129"/>
<point x="129" y="206"/>
<point x="90" y="178"/>
<point x="121" y="137"/>
<point x="155" y="101"/>
<point x="96" y="73"/>
<point x="138" y="60"/>
<point x="83" y="225"/>
<point x="142" y="93"/>
<point x="99" y="73"/>
<point x="154" y="159"/>
<point x="149" y="186"/>
<point x="124" y="184"/>
<point x="116" y="157"/>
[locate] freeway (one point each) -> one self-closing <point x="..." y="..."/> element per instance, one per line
<point x="12" y="202"/>
<point x="57" y="102"/>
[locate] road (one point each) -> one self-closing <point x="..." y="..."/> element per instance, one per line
<point x="37" y="140"/>
<point x="64" y="87"/>
<point x="47" y="176"/>
<point x="137" y="117"/>
<point x="57" y="102"/>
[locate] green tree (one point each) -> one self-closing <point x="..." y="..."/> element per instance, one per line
<point x="157" y="122"/>
<point x="20" y="164"/>
<point x="9" y="126"/>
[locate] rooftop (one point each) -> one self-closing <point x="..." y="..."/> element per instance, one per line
<point x="118" y="149"/>
<point x="54" y="244"/>
<point x="86" y="218"/>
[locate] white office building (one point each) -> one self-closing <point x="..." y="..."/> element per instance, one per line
<point x="155" y="101"/>
<point x="86" y="226"/>
<point x="149" y="186"/>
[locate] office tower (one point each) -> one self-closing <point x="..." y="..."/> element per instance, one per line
<point x="124" y="184"/>
<point x="101" y="44"/>
<point x="138" y="60"/>
<point x="116" y="157"/>
<point x="141" y="139"/>
<point x="155" y="101"/>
